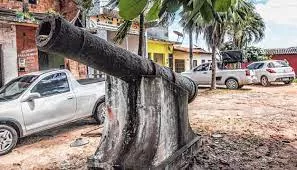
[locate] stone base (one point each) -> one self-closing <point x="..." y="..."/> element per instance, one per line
<point x="146" y="127"/>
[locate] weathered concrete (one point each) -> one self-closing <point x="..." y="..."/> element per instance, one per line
<point x="56" y="35"/>
<point x="9" y="52"/>
<point x="147" y="123"/>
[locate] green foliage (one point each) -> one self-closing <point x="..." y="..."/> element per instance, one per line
<point x="131" y="9"/>
<point x="207" y="12"/>
<point x="153" y="13"/>
<point x="295" y="81"/>
<point x="122" y="32"/>
<point x="252" y="54"/>
<point x="222" y="5"/>
<point x="25" y="16"/>
<point x="245" y="25"/>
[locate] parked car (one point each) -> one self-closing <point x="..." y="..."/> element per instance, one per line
<point x="233" y="79"/>
<point x="42" y="100"/>
<point x="272" y="71"/>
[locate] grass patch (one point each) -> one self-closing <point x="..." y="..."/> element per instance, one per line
<point x="295" y="81"/>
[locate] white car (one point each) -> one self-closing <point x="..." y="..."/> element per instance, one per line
<point x="272" y="71"/>
<point x="233" y="79"/>
<point x="42" y="100"/>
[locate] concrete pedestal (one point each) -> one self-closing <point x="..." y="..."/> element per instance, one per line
<point x="146" y="125"/>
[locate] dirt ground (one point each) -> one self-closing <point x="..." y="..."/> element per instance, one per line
<point x="252" y="128"/>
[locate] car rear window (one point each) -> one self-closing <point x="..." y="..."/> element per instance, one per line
<point x="278" y="64"/>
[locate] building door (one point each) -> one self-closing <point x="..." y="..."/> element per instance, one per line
<point x="1" y="67"/>
<point x="179" y="65"/>
<point x="159" y="58"/>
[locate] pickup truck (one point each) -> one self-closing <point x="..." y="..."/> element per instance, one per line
<point x="42" y="100"/>
<point x="233" y="79"/>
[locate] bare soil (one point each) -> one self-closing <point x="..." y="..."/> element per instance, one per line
<point x="252" y="128"/>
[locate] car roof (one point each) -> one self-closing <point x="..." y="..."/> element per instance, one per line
<point x="265" y="61"/>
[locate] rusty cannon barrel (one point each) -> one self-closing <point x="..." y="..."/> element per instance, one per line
<point x="56" y="35"/>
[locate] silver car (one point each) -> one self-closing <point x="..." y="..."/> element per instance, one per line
<point x="42" y="100"/>
<point x="272" y="71"/>
<point x="233" y="79"/>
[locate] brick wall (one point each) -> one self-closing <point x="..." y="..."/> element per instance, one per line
<point x="26" y="49"/>
<point x="42" y="6"/>
<point x="78" y="70"/>
<point x="67" y="8"/>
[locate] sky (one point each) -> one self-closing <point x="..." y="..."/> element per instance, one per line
<point x="280" y="17"/>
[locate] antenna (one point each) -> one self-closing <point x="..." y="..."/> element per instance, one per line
<point x="179" y="34"/>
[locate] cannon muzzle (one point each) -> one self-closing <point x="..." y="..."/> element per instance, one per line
<point x="56" y="35"/>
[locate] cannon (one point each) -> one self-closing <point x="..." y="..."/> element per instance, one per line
<point x="146" y="125"/>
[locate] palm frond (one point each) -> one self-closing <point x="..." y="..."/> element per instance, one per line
<point x="122" y="32"/>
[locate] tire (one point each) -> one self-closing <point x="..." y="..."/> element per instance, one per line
<point x="8" y="139"/>
<point x="99" y="112"/>
<point x="232" y="84"/>
<point x="288" y="82"/>
<point x="264" y="81"/>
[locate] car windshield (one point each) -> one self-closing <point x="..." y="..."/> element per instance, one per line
<point x="16" y="87"/>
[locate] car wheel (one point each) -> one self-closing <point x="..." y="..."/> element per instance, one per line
<point x="99" y="113"/>
<point x="264" y="81"/>
<point x="288" y="82"/>
<point x="8" y="139"/>
<point x="232" y="84"/>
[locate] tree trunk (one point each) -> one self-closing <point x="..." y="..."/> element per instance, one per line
<point x="191" y="47"/>
<point x="141" y="41"/>
<point x="213" y="68"/>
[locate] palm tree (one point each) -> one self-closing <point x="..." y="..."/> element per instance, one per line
<point x="195" y="27"/>
<point x="164" y="9"/>
<point x="214" y="35"/>
<point x="246" y="25"/>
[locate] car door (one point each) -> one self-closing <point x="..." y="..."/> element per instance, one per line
<point x="56" y="105"/>
<point x="202" y="74"/>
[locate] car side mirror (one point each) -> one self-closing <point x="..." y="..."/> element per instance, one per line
<point x="31" y="97"/>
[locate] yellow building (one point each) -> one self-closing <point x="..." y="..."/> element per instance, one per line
<point x="181" y="60"/>
<point x="161" y="52"/>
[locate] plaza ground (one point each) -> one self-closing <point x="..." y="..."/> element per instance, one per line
<point x="252" y="128"/>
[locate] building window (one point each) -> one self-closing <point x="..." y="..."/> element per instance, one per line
<point x="195" y="63"/>
<point x="202" y="61"/>
<point x="209" y="61"/>
<point x="179" y="65"/>
<point x="32" y="1"/>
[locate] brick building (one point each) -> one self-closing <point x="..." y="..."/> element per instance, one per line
<point x="18" y="52"/>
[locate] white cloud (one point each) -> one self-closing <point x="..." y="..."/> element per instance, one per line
<point x="279" y="12"/>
